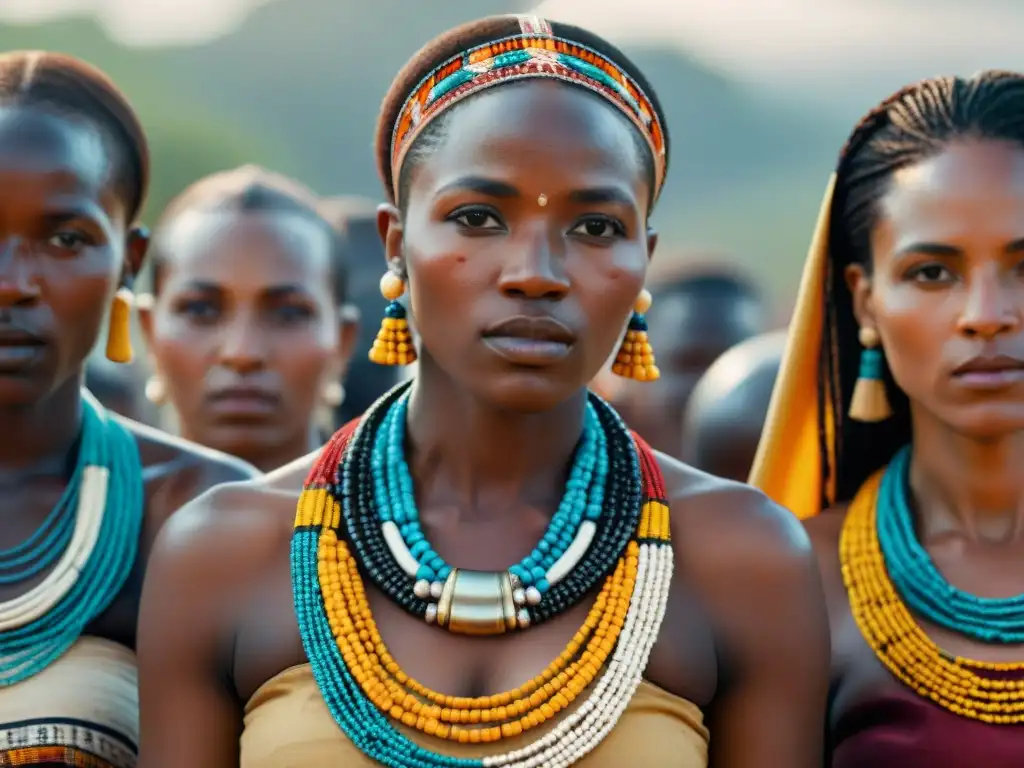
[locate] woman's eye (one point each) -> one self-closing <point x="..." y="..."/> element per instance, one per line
<point x="68" y="240"/>
<point x="931" y="273"/>
<point x="599" y="227"/>
<point x="477" y="219"/>
<point x="201" y="311"/>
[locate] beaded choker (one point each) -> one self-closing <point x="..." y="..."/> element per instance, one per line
<point x="368" y="694"/>
<point x="92" y="552"/>
<point x="595" y="520"/>
<point x="918" y="581"/>
<point x="986" y="691"/>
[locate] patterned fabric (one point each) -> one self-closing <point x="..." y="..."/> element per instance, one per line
<point x="82" y="711"/>
<point x="64" y="742"/>
<point x="534" y="53"/>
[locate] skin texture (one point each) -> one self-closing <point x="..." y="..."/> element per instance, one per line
<point x="726" y="413"/>
<point x="245" y="301"/>
<point x="688" y="330"/>
<point x="745" y="635"/>
<point x="946" y="285"/>
<point x="64" y="245"/>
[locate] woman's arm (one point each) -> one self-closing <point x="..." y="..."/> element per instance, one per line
<point x="196" y="573"/>
<point x="758" y="578"/>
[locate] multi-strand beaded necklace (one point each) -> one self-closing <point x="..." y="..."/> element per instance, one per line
<point x="91" y="552"/>
<point x="363" y="686"/>
<point x="888" y="575"/>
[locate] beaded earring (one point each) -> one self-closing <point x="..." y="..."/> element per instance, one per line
<point x="393" y="345"/>
<point x="869" y="402"/>
<point x="156" y="389"/>
<point x="635" y="359"/>
<point x="119" y="333"/>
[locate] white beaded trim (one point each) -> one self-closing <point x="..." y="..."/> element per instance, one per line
<point x="92" y="503"/>
<point x="583" y="730"/>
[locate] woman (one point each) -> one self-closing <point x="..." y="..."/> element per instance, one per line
<point x="84" y="491"/>
<point x="918" y="370"/>
<point x="246" y="328"/>
<point x="518" y="220"/>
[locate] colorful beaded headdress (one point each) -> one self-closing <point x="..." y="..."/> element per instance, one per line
<point x="534" y="52"/>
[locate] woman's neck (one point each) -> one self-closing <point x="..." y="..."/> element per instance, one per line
<point x="482" y="460"/>
<point x="963" y="484"/>
<point x="37" y="438"/>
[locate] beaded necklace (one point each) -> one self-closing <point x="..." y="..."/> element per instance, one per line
<point x="568" y="535"/>
<point x="595" y="520"/>
<point x="925" y="590"/>
<point x="369" y="695"/>
<point x="106" y="490"/>
<point x="986" y="691"/>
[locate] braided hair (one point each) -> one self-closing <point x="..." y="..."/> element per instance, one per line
<point x="915" y="123"/>
<point x="452" y="43"/>
<point x="70" y="86"/>
<point x="250" y="189"/>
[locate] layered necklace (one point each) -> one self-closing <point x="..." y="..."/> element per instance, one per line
<point x="90" y="552"/>
<point x="890" y="577"/>
<point x="357" y="516"/>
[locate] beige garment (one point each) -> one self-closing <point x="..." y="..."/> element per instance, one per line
<point x="82" y="710"/>
<point x="287" y="725"/>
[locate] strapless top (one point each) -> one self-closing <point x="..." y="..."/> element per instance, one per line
<point x="903" y="730"/>
<point x="287" y="725"/>
<point x="82" y="711"/>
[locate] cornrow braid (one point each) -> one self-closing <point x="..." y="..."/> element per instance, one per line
<point x="913" y="124"/>
<point x="71" y="86"/>
<point x="455" y="42"/>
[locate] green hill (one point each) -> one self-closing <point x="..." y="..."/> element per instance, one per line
<point x="298" y="85"/>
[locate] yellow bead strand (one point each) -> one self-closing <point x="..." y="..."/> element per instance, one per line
<point x="492" y="717"/>
<point x="902" y="646"/>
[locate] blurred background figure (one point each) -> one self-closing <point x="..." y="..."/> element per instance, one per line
<point x="247" y="331"/>
<point x="119" y="389"/>
<point x="696" y="315"/>
<point x="355" y="220"/>
<point x="727" y="409"/>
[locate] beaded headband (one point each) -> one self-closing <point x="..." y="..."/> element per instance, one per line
<point x="534" y="53"/>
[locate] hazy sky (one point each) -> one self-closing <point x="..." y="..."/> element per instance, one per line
<point x="763" y="40"/>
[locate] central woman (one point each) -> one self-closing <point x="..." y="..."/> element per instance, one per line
<point x="624" y="596"/>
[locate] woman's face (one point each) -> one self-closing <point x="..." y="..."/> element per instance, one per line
<point x="947" y="291"/>
<point x="525" y="242"/>
<point x="63" y="248"/>
<point x="245" y="326"/>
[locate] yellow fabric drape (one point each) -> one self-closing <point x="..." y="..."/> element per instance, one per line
<point x="788" y="464"/>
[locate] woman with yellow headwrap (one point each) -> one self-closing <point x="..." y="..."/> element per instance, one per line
<point x="897" y="427"/>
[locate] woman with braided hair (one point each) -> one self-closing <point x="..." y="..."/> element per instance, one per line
<point x="897" y="427"/>
<point x="488" y="568"/>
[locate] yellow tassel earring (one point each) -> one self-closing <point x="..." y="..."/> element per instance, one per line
<point x="636" y="358"/>
<point x="119" y="333"/>
<point x="869" y="402"/>
<point x="393" y="345"/>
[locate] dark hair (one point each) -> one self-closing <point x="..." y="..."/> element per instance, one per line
<point x="915" y="123"/>
<point x="455" y="41"/>
<point x="717" y="280"/>
<point x="71" y="86"/>
<point x="251" y="189"/>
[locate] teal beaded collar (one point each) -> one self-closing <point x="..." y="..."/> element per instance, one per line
<point x="90" y="539"/>
<point x="919" y="583"/>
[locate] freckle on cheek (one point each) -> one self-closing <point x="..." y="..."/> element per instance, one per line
<point x="460" y="259"/>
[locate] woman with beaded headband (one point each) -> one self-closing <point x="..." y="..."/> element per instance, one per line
<point x="899" y="417"/>
<point x="84" y="492"/>
<point x="492" y="496"/>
